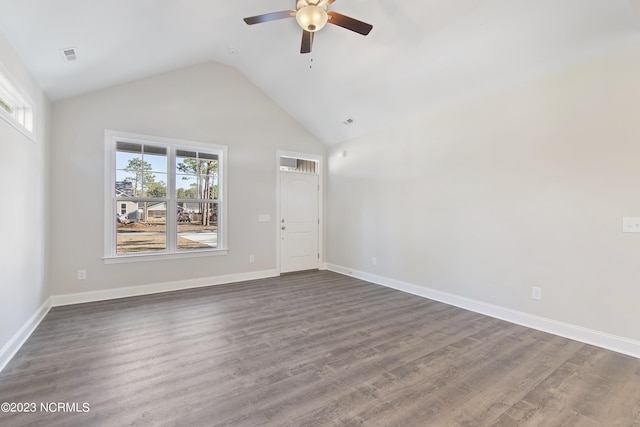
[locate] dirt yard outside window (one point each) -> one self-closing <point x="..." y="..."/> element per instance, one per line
<point x="138" y="237"/>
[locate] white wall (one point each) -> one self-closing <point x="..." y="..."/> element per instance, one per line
<point x="207" y="103"/>
<point x="525" y="187"/>
<point x="24" y="215"/>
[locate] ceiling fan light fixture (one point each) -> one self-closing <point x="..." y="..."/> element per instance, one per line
<point x="311" y="18"/>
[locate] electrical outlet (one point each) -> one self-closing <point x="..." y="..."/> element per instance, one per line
<point x="82" y="274"/>
<point x="536" y="292"/>
<point x="374" y="261"/>
<point x="252" y="258"/>
<point x="630" y="225"/>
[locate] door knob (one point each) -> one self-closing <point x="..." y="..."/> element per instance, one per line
<point x="283" y="227"/>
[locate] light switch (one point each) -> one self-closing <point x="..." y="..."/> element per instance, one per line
<point x="630" y="225"/>
<point x="264" y="218"/>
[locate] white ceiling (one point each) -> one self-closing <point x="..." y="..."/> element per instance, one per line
<point x="420" y="55"/>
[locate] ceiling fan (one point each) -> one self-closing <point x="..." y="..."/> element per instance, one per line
<point x="312" y="15"/>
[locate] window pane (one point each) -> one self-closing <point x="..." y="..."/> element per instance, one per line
<point x="156" y="187"/>
<point x="185" y="153"/>
<point x="186" y="162"/>
<point x="131" y="147"/>
<point x="208" y="167"/>
<point x="209" y="187"/>
<point x="156" y="157"/>
<point x="5" y="106"/>
<point x="208" y="156"/>
<point x="124" y="187"/>
<point x="186" y="187"/>
<point x="197" y="225"/>
<point x="144" y="166"/>
<point x="142" y="228"/>
<point x="129" y="167"/>
<point x="153" y="149"/>
<point x="153" y="171"/>
<point x="13" y="103"/>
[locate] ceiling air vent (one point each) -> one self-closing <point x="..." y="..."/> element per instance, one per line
<point x="68" y="54"/>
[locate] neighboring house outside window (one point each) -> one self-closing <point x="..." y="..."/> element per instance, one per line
<point x="167" y="197"/>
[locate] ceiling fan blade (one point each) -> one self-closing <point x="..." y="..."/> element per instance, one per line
<point x="307" y="41"/>
<point x="273" y="16"/>
<point x="349" y="23"/>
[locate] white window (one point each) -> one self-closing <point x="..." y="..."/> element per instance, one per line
<point x="15" y="108"/>
<point x="164" y="197"/>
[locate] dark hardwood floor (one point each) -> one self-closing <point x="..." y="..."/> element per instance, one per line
<point x="308" y="349"/>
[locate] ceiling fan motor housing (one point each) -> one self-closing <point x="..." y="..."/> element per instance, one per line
<point x="312" y="18"/>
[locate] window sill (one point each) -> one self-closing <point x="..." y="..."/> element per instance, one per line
<point x="124" y="259"/>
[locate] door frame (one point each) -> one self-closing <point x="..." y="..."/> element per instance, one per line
<point x="304" y="156"/>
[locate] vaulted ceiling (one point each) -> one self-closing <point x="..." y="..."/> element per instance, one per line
<point x="420" y="55"/>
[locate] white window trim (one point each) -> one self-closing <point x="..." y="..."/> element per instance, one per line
<point x="110" y="257"/>
<point x="23" y="118"/>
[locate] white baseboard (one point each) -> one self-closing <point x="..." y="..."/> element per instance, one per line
<point x="132" y="291"/>
<point x="589" y="336"/>
<point x="11" y="348"/>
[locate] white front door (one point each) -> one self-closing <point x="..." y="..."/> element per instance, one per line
<point x="299" y="219"/>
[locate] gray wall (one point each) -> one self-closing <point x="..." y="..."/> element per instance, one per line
<point x="525" y="187"/>
<point x="24" y="213"/>
<point x="207" y="103"/>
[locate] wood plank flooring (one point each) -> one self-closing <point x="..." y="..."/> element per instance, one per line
<point x="309" y="349"/>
